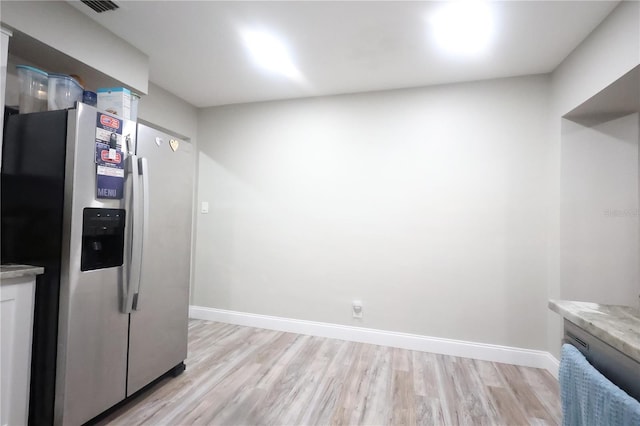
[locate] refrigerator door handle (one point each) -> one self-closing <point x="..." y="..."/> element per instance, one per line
<point x="135" y="260"/>
<point x="144" y="171"/>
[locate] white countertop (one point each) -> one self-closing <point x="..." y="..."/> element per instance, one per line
<point x="18" y="271"/>
<point x="618" y="326"/>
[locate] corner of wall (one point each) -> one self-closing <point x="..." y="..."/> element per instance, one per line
<point x="608" y="53"/>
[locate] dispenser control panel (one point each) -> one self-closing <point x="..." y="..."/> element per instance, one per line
<point x="102" y="238"/>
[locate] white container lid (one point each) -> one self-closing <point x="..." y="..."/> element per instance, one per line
<point x="33" y="69"/>
<point x="65" y="77"/>
<point x="114" y="89"/>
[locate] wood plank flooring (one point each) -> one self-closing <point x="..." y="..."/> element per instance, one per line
<point x="247" y="376"/>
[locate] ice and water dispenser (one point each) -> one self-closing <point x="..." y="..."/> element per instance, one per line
<point x="102" y="238"/>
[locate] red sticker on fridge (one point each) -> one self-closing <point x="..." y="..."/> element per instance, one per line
<point x="109" y="157"/>
<point x="104" y="155"/>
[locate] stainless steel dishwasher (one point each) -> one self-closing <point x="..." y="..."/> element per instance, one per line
<point x="619" y="368"/>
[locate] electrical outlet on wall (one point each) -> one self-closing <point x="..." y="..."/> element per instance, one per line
<point x="356" y="308"/>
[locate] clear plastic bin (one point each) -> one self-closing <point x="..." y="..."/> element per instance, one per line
<point x="64" y="92"/>
<point x="135" y="98"/>
<point x="33" y="89"/>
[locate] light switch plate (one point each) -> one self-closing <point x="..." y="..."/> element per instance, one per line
<point x="204" y="207"/>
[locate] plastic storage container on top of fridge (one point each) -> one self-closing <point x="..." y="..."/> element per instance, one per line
<point x="33" y="89"/>
<point x="64" y="92"/>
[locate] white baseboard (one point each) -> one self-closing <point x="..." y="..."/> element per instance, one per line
<point x="552" y="364"/>
<point x="481" y="351"/>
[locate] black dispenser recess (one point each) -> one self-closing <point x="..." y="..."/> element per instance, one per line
<point x="102" y="238"/>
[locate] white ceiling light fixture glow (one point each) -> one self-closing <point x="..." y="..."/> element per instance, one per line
<point x="463" y="27"/>
<point x="270" y="53"/>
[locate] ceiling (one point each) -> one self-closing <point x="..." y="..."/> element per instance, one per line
<point x="196" y="51"/>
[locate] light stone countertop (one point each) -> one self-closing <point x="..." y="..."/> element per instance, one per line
<point x="19" y="271"/>
<point x="618" y="326"/>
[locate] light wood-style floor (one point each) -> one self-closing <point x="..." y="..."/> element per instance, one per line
<point x="247" y="376"/>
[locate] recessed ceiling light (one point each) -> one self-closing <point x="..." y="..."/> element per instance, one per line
<point x="464" y="27"/>
<point x="269" y="53"/>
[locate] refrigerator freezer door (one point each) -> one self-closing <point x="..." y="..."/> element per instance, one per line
<point x="92" y="332"/>
<point x="158" y="328"/>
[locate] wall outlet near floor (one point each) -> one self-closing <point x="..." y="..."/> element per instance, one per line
<point x="356" y="308"/>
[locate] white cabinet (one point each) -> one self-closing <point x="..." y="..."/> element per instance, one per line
<point x="16" y="324"/>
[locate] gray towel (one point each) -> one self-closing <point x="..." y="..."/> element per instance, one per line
<point x="589" y="398"/>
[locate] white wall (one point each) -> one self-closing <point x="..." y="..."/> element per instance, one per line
<point x="167" y="111"/>
<point x="599" y="212"/>
<point x="428" y="204"/>
<point x="609" y="52"/>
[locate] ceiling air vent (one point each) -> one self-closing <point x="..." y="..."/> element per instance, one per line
<point x="101" y="5"/>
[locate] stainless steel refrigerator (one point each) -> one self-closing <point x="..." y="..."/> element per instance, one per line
<point x="106" y="207"/>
